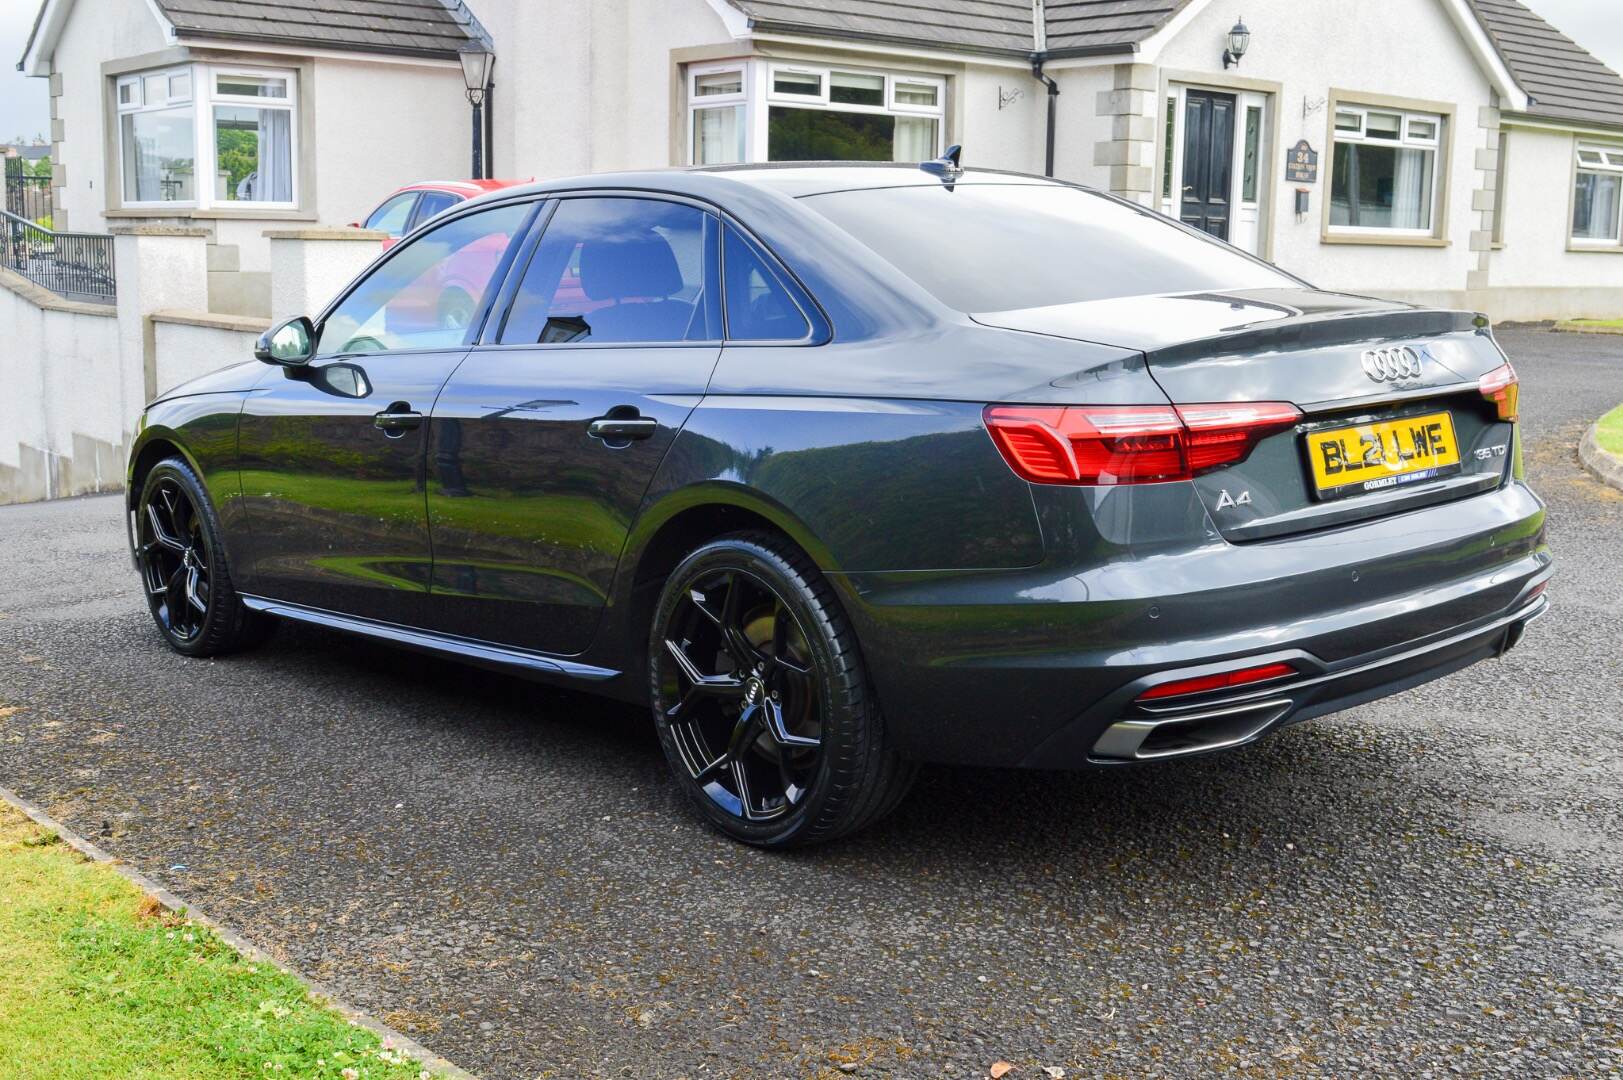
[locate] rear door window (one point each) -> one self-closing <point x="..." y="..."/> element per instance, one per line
<point x="619" y="270"/>
<point x="759" y="305"/>
<point x="432" y="204"/>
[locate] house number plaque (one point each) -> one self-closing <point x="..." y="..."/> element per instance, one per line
<point x="1302" y="164"/>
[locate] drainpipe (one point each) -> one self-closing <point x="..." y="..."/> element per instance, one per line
<point x="1053" y="95"/>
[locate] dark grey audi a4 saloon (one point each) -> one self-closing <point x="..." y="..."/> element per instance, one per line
<point x="841" y="469"/>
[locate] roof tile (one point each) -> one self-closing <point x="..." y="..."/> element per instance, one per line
<point x="436" y="28"/>
<point x="1560" y="77"/>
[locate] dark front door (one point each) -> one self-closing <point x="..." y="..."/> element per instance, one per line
<point x="332" y="454"/>
<point x="546" y="438"/>
<point x="1208" y="161"/>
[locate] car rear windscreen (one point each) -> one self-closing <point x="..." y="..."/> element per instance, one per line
<point x="1001" y="247"/>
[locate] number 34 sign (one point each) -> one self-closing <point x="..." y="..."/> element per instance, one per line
<point x="1302" y="164"/>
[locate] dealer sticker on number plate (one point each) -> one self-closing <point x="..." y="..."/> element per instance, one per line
<point x="1385" y="454"/>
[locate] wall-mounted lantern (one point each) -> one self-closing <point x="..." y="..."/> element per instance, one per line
<point x="1239" y="42"/>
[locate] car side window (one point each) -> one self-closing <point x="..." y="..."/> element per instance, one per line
<point x="620" y="270"/>
<point x="428" y="291"/>
<point x="393" y="215"/>
<point x="432" y="204"/>
<point x="759" y="305"/>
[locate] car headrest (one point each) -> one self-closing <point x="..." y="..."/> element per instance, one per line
<point x="640" y="265"/>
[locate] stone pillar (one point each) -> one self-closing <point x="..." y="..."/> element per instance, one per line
<point x="157" y="268"/>
<point x="311" y="266"/>
<point x="1130" y="151"/>
<point x="1489" y="189"/>
<point x="59" y="175"/>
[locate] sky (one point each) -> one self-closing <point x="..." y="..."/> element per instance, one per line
<point x="25" y="106"/>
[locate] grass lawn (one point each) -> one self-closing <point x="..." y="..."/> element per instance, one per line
<point x="98" y="981"/>
<point x="1609" y="432"/>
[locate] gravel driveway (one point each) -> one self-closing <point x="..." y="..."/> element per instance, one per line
<point x="1430" y="885"/>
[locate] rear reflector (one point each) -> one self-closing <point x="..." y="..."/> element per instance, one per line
<point x="1501" y="387"/>
<point x="1130" y="444"/>
<point x="1222" y="681"/>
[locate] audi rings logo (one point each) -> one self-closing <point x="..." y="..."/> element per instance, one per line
<point x="1391" y="365"/>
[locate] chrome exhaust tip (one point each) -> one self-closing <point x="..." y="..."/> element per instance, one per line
<point x="1154" y="738"/>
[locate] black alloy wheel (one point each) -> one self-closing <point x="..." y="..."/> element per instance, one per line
<point x="761" y="701"/>
<point x="183" y="568"/>
<point x="174" y="561"/>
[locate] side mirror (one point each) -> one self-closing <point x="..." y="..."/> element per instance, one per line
<point x="292" y="344"/>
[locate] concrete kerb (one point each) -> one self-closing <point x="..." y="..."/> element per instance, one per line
<point x="429" y="1060"/>
<point x="1606" y="466"/>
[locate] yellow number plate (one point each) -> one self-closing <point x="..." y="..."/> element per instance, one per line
<point x="1386" y="454"/>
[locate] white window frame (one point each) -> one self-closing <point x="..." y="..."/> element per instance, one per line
<point x="1434" y="143"/>
<point x="288" y="104"/>
<point x="138" y="103"/>
<point x="758" y="96"/>
<point x="1610" y="164"/>
<point x="697" y="104"/>
<point x="203" y="98"/>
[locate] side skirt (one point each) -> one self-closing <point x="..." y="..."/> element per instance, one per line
<point x="483" y="653"/>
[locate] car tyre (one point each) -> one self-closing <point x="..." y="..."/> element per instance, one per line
<point x="762" y="700"/>
<point x="184" y="570"/>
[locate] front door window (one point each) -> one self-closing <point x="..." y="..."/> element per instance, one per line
<point x="428" y="292"/>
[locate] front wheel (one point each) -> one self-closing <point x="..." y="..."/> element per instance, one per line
<point x="761" y="698"/>
<point x="181" y="554"/>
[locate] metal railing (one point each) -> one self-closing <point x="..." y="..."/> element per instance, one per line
<point x="75" y="266"/>
<point x="28" y="197"/>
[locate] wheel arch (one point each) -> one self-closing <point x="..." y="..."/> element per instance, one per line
<point x="154" y="445"/>
<point x="667" y="532"/>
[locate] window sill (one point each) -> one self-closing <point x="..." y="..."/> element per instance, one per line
<point x="1595" y="249"/>
<point x="192" y="213"/>
<point x="1379" y="240"/>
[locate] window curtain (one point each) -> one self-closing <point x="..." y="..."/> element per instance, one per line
<point x="275" y="180"/>
<point x="718" y="135"/>
<point x="1595" y="209"/>
<point x="915" y="139"/>
<point x="1411" y="190"/>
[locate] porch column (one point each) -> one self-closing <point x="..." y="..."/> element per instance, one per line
<point x="310" y="266"/>
<point x="157" y="268"/>
<point x="1130" y="151"/>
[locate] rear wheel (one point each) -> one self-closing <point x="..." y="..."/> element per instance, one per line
<point x="761" y="698"/>
<point x="181" y="555"/>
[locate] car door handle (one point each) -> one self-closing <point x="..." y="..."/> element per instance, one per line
<point x="615" y="428"/>
<point x="394" y="421"/>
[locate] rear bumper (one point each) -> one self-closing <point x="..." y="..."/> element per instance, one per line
<point x="1033" y="668"/>
<point x="1206" y="723"/>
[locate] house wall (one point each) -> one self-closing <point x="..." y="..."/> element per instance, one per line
<point x="98" y="30"/>
<point x="596" y="98"/>
<point x="1400" y="48"/>
<point x="994" y="137"/>
<point x="1535" y="275"/>
<point x="366" y="126"/>
<point x="380" y="125"/>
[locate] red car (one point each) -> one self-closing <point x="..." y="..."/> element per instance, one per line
<point x="410" y="206"/>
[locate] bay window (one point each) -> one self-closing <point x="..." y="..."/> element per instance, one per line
<point x="1597" y="196"/>
<point x="769" y="111"/>
<point x="1384" y="171"/>
<point x="206" y="136"/>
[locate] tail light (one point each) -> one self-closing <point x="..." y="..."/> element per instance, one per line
<point x="1501" y="387"/>
<point x="1130" y="444"/>
<point x="1222" y="681"/>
